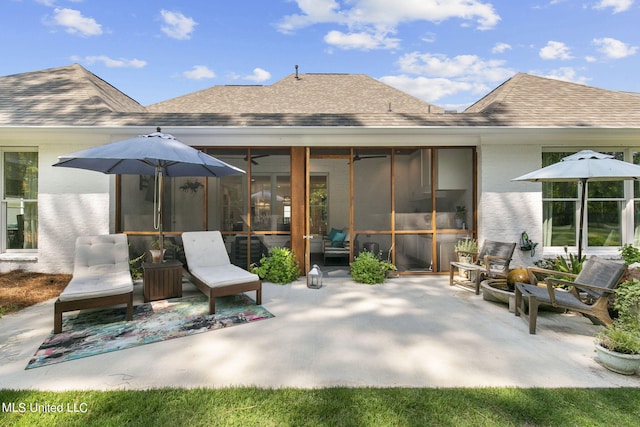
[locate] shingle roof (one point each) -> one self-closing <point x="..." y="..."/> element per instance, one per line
<point x="527" y="100"/>
<point x="72" y="96"/>
<point x="65" y="93"/>
<point x="301" y="94"/>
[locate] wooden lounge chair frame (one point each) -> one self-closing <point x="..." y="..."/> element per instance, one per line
<point x="588" y="294"/>
<point x="206" y="249"/>
<point x="494" y="258"/>
<point x="99" y="279"/>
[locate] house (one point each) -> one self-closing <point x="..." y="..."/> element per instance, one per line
<point x="321" y="152"/>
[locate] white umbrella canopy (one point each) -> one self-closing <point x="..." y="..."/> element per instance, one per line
<point x="583" y="166"/>
<point x="266" y="194"/>
<point x="156" y="154"/>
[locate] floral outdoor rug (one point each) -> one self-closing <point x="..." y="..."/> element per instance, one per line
<point x="88" y="333"/>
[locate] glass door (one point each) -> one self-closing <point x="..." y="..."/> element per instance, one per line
<point x="328" y="208"/>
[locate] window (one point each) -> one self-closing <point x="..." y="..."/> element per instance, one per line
<point x="636" y="204"/>
<point x="561" y="210"/>
<point x="19" y="200"/>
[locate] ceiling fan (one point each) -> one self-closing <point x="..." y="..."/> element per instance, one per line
<point x="257" y="156"/>
<point x="357" y="157"/>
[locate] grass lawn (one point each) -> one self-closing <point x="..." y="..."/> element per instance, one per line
<point x="326" y="407"/>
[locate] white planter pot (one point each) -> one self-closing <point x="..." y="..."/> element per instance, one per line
<point x="627" y="364"/>
<point x="156" y="255"/>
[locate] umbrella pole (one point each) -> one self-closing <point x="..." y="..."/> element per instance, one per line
<point x="157" y="215"/>
<point x="583" y="194"/>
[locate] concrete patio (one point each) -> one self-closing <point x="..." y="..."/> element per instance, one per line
<point x="410" y="332"/>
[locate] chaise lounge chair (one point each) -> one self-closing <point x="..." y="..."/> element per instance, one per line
<point x="493" y="262"/>
<point x="101" y="277"/>
<point x="209" y="268"/>
<point x="588" y="294"/>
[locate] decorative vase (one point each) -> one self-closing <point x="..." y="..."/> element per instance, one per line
<point x="517" y="275"/>
<point x="626" y="364"/>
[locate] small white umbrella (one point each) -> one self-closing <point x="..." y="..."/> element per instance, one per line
<point x="583" y="166"/>
<point x="158" y="154"/>
<point x="266" y="195"/>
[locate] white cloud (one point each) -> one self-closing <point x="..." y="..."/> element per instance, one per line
<point x="617" y="5"/>
<point x="361" y="40"/>
<point x="259" y="75"/>
<point x="432" y="76"/>
<point x="501" y="48"/>
<point x="177" y="26"/>
<point x="368" y="21"/>
<point x="614" y="49"/>
<point x="555" y="50"/>
<point x="114" y="63"/>
<point x="430" y="89"/>
<point x="75" y="23"/>
<point x="470" y="67"/>
<point x="199" y="72"/>
<point x="567" y="74"/>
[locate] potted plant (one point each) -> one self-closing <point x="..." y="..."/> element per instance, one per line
<point x="467" y="250"/>
<point x="369" y="268"/>
<point x="279" y="266"/>
<point x="618" y="346"/>
<point x="168" y="245"/>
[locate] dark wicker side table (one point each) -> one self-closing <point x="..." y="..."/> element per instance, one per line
<point x="162" y="280"/>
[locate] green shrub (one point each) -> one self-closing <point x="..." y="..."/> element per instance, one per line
<point x="623" y="336"/>
<point x="368" y="268"/>
<point x="279" y="266"/>
<point x="466" y="245"/>
<point x="627" y="302"/>
<point x="620" y="338"/>
<point x="569" y="263"/>
<point x="630" y="254"/>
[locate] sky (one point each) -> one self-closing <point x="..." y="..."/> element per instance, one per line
<point x="446" y="52"/>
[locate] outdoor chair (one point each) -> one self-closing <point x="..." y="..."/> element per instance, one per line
<point x="492" y="262"/>
<point x="588" y="294"/>
<point x="209" y="268"/>
<point x="100" y="278"/>
<point x="336" y="245"/>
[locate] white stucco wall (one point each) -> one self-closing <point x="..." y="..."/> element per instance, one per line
<point x="76" y="202"/>
<point x="71" y="202"/>
<point x="506" y="207"/>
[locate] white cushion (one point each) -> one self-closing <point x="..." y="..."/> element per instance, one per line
<point x="101" y="268"/>
<point x="99" y="285"/>
<point x="204" y="249"/>
<point x="208" y="260"/>
<point x="223" y="275"/>
<point x="101" y="254"/>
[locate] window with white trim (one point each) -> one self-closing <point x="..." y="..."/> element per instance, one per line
<point x="605" y="210"/>
<point x="19" y="215"/>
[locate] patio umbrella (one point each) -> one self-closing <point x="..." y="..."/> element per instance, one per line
<point x="583" y="166"/>
<point x="266" y="195"/>
<point x="157" y="154"/>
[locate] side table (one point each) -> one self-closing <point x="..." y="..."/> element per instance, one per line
<point x="162" y="280"/>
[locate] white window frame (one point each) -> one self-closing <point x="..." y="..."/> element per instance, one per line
<point x="3" y="201"/>
<point x="627" y="225"/>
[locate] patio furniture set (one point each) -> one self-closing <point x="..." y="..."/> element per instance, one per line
<point x="101" y="278"/>
<point x="101" y="274"/>
<point x="587" y="293"/>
